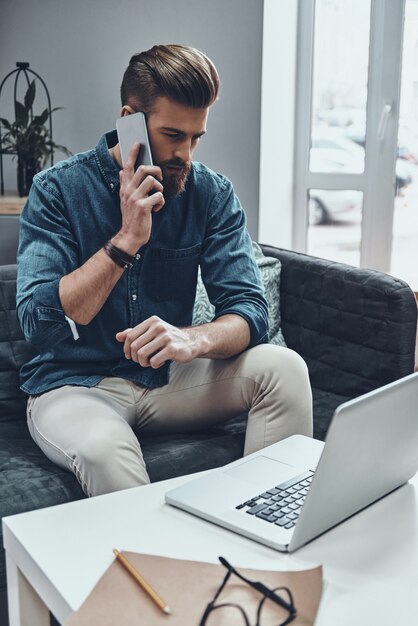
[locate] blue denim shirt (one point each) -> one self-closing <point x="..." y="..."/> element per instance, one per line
<point x="72" y="210"/>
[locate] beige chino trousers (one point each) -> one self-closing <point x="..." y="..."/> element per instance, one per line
<point x="93" y="432"/>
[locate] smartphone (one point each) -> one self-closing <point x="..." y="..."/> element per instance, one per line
<point x="133" y="128"/>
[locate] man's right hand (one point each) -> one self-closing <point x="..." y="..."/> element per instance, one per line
<point x="84" y="291"/>
<point x="141" y="193"/>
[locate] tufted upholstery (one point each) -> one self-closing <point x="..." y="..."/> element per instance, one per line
<point x="355" y="329"/>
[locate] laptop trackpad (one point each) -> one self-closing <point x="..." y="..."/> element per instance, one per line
<point x="261" y="469"/>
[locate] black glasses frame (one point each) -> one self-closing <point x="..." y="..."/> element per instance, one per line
<point x="268" y="594"/>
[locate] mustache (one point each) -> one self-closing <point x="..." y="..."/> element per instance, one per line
<point x="174" y="163"/>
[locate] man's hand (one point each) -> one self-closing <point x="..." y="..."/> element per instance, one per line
<point x="141" y="193"/>
<point x="153" y="342"/>
<point x="84" y="291"/>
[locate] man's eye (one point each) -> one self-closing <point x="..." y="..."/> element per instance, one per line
<point x="172" y="135"/>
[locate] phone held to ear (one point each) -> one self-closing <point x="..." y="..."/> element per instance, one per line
<point x="131" y="129"/>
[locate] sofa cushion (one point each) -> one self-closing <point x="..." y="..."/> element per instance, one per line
<point x="14" y="350"/>
<point x="29" y="481"/>
<point x="270" y="273"/>
<point x="173" y="455"/>
<point x="324" y="405"/>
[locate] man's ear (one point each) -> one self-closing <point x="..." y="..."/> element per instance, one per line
<point x="126" y="110"/>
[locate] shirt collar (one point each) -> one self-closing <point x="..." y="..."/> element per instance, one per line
<point x="107" y="165"/>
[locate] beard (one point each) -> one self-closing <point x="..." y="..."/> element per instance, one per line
<point x="174" y="183"/>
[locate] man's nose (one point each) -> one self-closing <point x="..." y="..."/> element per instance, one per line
<point x="184" y="151"/>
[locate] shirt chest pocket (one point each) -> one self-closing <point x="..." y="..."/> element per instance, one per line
<point x="171" y="274"/>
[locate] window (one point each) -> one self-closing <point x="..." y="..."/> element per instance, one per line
<point x="347" y="99"/>
<point x="331" y="75"/>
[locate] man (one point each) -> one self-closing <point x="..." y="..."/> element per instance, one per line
<point x="107" y="271"/>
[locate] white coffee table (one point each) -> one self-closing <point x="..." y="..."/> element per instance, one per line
<point x="56" y="555"/>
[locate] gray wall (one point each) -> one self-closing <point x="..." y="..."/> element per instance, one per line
<point x="82" y="47"/>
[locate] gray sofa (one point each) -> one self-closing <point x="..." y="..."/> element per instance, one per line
<point x="355" y="328"/>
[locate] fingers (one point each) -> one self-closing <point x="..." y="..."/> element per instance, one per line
<point x="141" y="194"/>
<point x="143" y="342"/>
<point x="148" y="195"/>
<point x="129" y="189"/>
<point x="154" y="342"/>
<point x="153" y="190"/>
<point x="148" y="170"/>
<point x="121" y="336"/>
<point x="132" y="157"/>
<point x="142" y="173"/>
<point x="143" y="170"/>
<point x="151" y="354"/>
<point x="150" y="184"/>
<point x="149" y="344"/>
<point x="147" y="178"/>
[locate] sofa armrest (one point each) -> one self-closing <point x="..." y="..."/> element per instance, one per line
<point x="355" y="327"/>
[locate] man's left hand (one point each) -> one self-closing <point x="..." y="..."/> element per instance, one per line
<point x="154" y="341"/>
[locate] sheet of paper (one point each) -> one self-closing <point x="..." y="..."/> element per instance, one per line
<point x="187" y="587"/>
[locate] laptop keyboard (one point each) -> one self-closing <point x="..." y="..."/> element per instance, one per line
<point x="281" y="504"/>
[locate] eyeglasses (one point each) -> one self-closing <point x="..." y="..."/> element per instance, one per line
<point x="235" y="614"/>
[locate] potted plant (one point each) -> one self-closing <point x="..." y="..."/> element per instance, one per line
<point x="29" y="139"/>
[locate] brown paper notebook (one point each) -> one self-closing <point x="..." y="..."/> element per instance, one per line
<point x="187" y="587"/>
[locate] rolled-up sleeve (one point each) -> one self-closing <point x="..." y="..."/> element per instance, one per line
<point x="47" y="252"/>
<point x="229" y="270"/>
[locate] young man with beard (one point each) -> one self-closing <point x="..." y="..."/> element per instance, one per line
<point x="107" y="271"/>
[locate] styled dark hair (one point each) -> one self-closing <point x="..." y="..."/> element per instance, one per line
<point x="180" y="73"/>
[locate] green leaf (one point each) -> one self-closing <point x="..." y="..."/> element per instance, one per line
<point x="29" y="137"/>
<point x="20" y="112"/>
<point x="30" y="95"/>
<point x="5" y="123"/>
<point x="41" y="119"/>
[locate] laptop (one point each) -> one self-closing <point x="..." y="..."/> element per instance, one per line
<point x="288" y="493"/>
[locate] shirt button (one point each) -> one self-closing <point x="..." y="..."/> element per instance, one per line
<point x="137" y="256"/>
<point x="112" y="185"/>
<point x="134" y="297"/>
